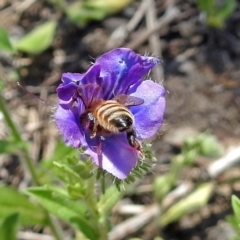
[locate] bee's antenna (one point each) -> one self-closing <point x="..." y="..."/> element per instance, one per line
<point x="24" y="89"/>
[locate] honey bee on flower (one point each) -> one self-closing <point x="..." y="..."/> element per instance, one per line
<point x="109" y="109"/>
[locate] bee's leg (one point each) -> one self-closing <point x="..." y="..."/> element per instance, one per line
<point x="89" y="122"/>
<point x="93" y="125"/>
<point x="99" y="148"/>
<point x="131" y="137"/>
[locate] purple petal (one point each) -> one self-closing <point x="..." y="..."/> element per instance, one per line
<point x="66" y="91"/>
<point x="149" y="115"/>
<point x="114" y="155"/>
<point x="71" y="77"/>
<point x="68" y="122"/>
<point x="121" y="68"/>
<point x="90" y="93"/>
<point x="92" y="75"/>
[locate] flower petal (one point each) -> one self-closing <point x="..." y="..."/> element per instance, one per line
<point x="92" y="76"/>
<point x="71" y="77"/>
<point x="68" y="122"/>
<point x="113" y="155"/>
<point x="121" y="68"/>
<point x="66" y="91"/>
<point x="149" y="115"/>
<point x="90" y="94"/>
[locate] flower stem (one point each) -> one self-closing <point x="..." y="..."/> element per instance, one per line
<point x="28" y="162"/>
<point x="92" y="203"/>
<point x="9" y="121"/>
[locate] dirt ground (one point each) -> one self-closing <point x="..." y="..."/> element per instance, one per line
<point x="201" y="74"/>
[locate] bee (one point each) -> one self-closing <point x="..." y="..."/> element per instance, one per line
<point x="106" y="117"/>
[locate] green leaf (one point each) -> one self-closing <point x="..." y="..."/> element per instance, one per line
<point x="108" y="200"/>
<point x="60" y="152"/>
<point x="206" y="5"/>
<point x="107" y="6"/>
<point x="217" y="11"/>
<point x="9" y="227"/>
<point x="162" y="185"/>
<point x="231" y="219"/>
<point x="7" y="147"/>
<point x="235" y="238"/>
<point x="236" y="207"/>
<point x="39" y="39"/>
<point x="11" y="201"/>
<point x="69" y="210"/>
<point x="80" y="15"/>
<point x="67" y="170"/>
<point x="1" y="84"/>
<point x="81" y="12"/>
<point x="5" y="43"/>
<point x="192" y="202"/>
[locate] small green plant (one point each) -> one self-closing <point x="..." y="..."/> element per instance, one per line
<point x="217" y="11"/>
<point x="35" y="42"/>
<point x="234" y="220"/>
<point x="204" y="144"/>
<point x="79" y="12"/>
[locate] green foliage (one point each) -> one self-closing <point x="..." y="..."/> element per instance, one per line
<point x="203" y="144"/>
<point x="192" y="202"/>
<point x="108" y="200"/>
<point x="39" y="39"/>
<point x="1" y="84"/>
<point x="7" y="147"/>
<point x="74" y="212"/>
<point x="5" y="43"/>
<point x="235" y="225"/>
<point x="78" y="190"/>
<point x="217" y="11"/>
<point x="236" y="207"/>
<point x="235" y="238"/>
<point x="9" y="227"/>
<point x="12" y="201"/>
<point x="49" y="172"/>
<point x="81" y="12"/>
<point x="162" y="186"/>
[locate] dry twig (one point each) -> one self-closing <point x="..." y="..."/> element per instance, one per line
<point x="224" y="163"/>
<point x="120" y="34"/>
<point x="135" y="223"/>
<point x="33" y="236"/>
<point x="154" y="41"/>
<point x="171" y="14"/>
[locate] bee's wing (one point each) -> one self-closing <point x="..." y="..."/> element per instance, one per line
<point x="128" y="100"/>
<point x="90" y="93"/>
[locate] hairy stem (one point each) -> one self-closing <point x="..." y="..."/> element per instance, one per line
<point x="28" y="162"/>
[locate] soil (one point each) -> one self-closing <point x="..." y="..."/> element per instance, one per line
<point x="201" y="74"/>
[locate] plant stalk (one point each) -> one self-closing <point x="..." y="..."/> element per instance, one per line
<point x="28" y="162"/>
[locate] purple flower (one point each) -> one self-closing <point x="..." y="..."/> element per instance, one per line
<point x="118" y="72"/>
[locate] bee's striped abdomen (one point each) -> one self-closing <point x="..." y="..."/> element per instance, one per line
<point x="113" y="116"/>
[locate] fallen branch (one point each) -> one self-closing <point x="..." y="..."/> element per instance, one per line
<point x="134" y="224"/>
<point x="153" y="39"/>
<point x="224" y="163"/>
<point x="33" y="236"/>
<point x="120" y="34"/>
<point x="171" y="14"/>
